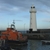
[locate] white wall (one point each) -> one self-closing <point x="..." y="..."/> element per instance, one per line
<point x="33" y="23"/>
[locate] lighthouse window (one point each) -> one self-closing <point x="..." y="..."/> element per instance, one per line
<point x="33" y="7"/>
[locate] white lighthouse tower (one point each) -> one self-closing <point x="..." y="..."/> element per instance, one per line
<point x="33" y="25"/>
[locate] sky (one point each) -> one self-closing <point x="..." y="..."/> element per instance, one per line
<point x="19" y="10"/>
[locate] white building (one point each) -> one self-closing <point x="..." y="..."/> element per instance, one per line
<point x="33" y="24"/>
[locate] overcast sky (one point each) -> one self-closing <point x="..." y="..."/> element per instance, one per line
<point x="19" y="10"/>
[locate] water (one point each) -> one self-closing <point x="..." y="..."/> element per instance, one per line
<point x="35" y="45"/>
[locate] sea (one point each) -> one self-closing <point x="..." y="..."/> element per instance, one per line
<point x="34" y="45"/>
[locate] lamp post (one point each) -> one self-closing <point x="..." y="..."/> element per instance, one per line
<point x="24" y="28"/>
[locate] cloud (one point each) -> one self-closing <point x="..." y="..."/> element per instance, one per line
<point x="25" y="5"/>
<point x="44" y="10"/>
<point x="45" y="2"/>
<point x="19" y="3"/>
<point x="14" y="9"/>
<point x="45" y="19"/>
<point x="4" y="8"/>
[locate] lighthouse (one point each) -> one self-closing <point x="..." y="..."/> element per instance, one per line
<point x="33" y="24"/>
